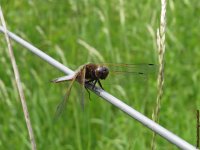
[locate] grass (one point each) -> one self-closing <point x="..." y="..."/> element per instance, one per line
<point x="56" y="28"/>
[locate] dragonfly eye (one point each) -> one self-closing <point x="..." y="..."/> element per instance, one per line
<point x="101" y="72"/>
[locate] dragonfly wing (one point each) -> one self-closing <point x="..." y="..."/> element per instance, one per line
<point x="64" y="78"/>
<point x="131" y="68"/>
<point x="62" y="105"/>
<point x="82" y="82"/>
<point x="120" y="73"/>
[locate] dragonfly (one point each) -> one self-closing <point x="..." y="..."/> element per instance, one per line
<point x="92" y="73"/>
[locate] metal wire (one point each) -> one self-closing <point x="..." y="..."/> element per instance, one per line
<point x="171" y="137"/>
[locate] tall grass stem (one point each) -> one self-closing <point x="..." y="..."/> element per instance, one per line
<point x="18" y="83"/>
<point x="161" y="52"/>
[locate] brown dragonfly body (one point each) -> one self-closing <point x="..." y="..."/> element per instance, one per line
<point x="88" y="73"/>
<point x="93" y="73"/>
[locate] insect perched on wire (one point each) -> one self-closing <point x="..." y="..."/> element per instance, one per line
<point x="92" y="74"/>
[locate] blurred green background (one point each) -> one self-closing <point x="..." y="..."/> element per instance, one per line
<point x="121" y="32"/>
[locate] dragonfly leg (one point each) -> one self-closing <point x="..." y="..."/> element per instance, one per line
<point x="89" y="81"/>
<point x="100" y="84"/>
<point x="88" y="93"/>
<point x="94" y="83"/>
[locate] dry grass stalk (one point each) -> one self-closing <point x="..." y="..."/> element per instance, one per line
<point x="18" y="82"/>
<point x="161" y="52"/>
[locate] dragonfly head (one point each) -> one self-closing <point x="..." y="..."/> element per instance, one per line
<point x="101" y="72"/>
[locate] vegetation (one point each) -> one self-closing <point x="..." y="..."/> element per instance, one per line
<point x="121" y="32"/>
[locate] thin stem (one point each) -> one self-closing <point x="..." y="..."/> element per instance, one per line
<point x="18" y="82"/>
<point x="161" y="52"/>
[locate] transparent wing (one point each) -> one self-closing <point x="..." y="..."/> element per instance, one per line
<point x="128" y="73"/>
<point x="130" y="68"/>
<point x="82" y="82"/>
<point x="62" y="104"/>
